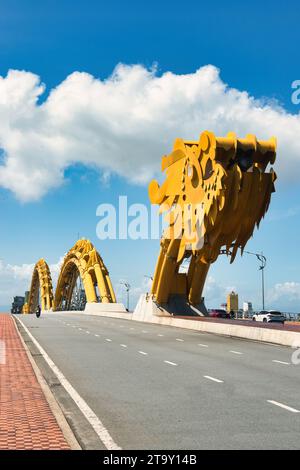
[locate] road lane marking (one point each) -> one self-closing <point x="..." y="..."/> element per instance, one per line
<point x="107" y="339"/>
<point x="179" y="339"/>
<point x="92" y="418"/>
<point x="203" y="345"/>
<point x="121" y="326"/>
<point x="212" y="378"/>
<point x="87" y="332"/>
<point x="131" y="328"/>
<point x="144" y="353"/>
<point x="97" y="336"/>
<point x="160" y="335"/>
<point x="80" y="329"/>
<point x="144" y="331"/>
<point x="123" y="345"/>
<point x="281" y="362"/>
<point x="171" y="363"/>
<point x="236" y="352"/>
<point x="285" y="407"/>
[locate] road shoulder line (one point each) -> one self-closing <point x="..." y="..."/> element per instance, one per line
<point x="53" y="404"/>
<point x="87" y="427"/>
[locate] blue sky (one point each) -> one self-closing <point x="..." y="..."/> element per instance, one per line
<point x="254" y="45"/>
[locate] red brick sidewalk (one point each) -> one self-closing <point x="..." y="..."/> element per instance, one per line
<point x="26" y="420"/>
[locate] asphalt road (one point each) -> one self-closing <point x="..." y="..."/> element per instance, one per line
<point x="159" y="387"/>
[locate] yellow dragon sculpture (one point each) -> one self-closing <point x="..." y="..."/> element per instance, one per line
<point x="216" y="191"/>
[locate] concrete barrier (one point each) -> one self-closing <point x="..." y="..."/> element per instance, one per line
<point x="99" y="308"/>
<point x="145" y="312"/>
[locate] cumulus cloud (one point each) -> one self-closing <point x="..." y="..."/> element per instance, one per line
<point x="285" y="295"/>
<point x="124" y="124"/>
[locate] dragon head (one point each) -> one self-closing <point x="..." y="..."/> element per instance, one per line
<point x="217" y="190"/>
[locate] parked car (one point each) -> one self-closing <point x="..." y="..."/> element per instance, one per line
<point x="218" y="313"/>
<point x="269" y="316"/>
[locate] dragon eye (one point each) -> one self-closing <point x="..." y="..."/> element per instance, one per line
<point x="193" y="175"/>
<point x="208" y="169"/>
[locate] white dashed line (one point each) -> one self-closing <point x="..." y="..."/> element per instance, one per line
<point x="170" y="363"/>
<point x="179" y="339"/>
<point x="203" y="345"/>
<point x="281" y="362"/>
<point x="236" y="352"/>
<point x="80" y="329"/>
<point x="87" y="332"/>
<point x="131" y="328"/>
<point x="285" y="407"/>
<point x="144" y="353"/>
<point x="123" y="345"/>
<point x="160" y="335"/>
<point x="107" y="339"/>
<point x="144" y="331"/>
<point x="212" y="378"/>
<point x="97" y="336"/>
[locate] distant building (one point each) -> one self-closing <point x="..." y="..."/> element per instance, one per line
<point x="78" y="300"/>
<point x="17" y="305"/>
<point x="247" y="307"/>
<point x="232" y="302"/>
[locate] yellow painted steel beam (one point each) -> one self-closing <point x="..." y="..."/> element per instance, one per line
<point x="41" y="286"/>
<point x="83" y="260"/>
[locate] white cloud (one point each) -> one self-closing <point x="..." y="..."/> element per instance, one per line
<point x="135" y="291"/>
<point x="16" y="279"/>
<point x="124" y="124"/>
<point x="285" y="295"/>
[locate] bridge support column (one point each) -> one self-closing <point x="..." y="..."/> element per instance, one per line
<point x="89" y="288"/>
<point x="102" y="286"/>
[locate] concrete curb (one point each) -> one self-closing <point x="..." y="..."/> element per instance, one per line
<point x="252" y="333"/>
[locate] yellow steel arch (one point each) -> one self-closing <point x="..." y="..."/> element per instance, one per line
<point x="83" y="260"/>
<point x="41" y="288"/>
<point x="216" y="189"/>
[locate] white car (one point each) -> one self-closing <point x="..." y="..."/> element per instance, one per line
<point x="269" y="316"/>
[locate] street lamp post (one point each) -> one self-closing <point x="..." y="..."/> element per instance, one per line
<point x="127" y="286"/>
<point x="263" y="261"/>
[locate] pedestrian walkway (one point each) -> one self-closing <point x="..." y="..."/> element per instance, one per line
<point x="26" y="420"/>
